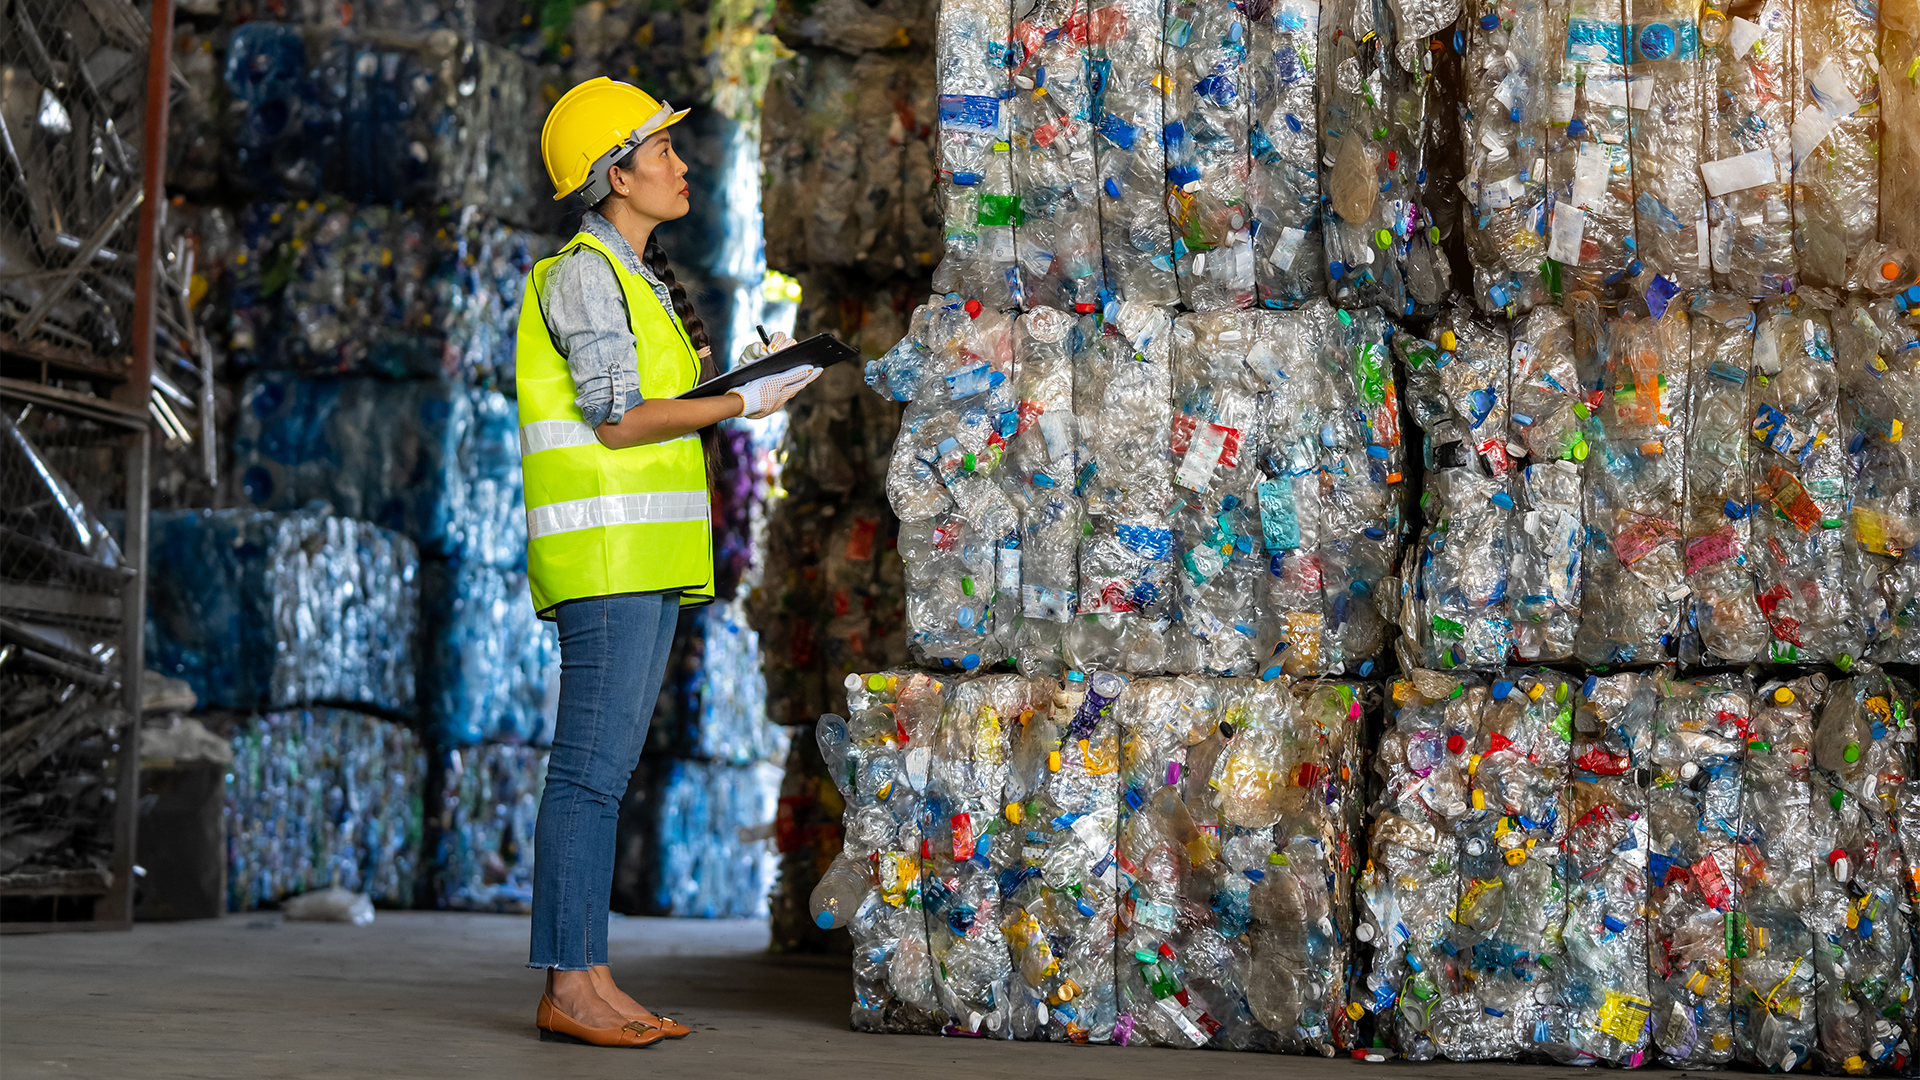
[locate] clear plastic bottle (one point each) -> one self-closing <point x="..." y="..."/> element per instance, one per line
<point x="1058" y="237"/>
<point x="1879" y="363"/>
<point x="1039" y="578"/>
<point x="1699" y="742"/>
<point x="1723" y="623"/>
<point x="839" y="893"/>
<point x="1748" y="151"/>
<point x="1774" y="1018"/>
<point x="1669" y="200"/>
<point x="1130" y="153"/>
<point x="1206" y="134"/>
<point x="1590" y="231"/>
<point x="1550" y="538"/>
<point x="981" y="202"/>
<point x="1366" y="176"/>
<point x="1283" y="191"/>
<point x="1835" y="144"/>
<point x="1504" y="129"/>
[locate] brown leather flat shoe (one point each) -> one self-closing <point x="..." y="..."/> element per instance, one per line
<point x="556" y="1026"/>
<point x="670" y="1028"/>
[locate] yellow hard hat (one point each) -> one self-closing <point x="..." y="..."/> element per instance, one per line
<point x="591" y="127"/>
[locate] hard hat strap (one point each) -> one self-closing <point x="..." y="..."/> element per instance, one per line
<point x="596" y="186"/>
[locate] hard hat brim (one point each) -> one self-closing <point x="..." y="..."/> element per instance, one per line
<point x="648" y="130"/>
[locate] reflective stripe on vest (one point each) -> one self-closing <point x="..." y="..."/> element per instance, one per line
<point x="600" y="521"/>
<point x="603" y="510"/>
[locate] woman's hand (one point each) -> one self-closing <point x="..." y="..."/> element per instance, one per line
<point x="763" y="397"/>
<point x="760" y="350"/>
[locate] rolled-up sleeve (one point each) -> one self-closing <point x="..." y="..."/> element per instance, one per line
<point x="585" y="310"/>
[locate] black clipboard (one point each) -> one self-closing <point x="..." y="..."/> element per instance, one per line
<point x="820" y="350"/>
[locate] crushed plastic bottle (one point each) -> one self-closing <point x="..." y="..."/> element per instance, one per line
<point x="1053" y="95"/>
<point x="1038" y="579"/>
<point x="1283" y="191"/>
<point x="1879" y="358"/>
<point x="1694" y="888"/>
<point x="1124" y="42"/>
<point x="879" y="758"/>
<point x="1862" y="757"/>
<point x="1800" y="478"/>
<point x="1668" y="88"/>
<point x="1835" y="144"/>
<point x="1455" y="588"/>
<point x="1723" y="623"/>
<point x="1634" y="486"/>
<point x="1368" y="179"/>
<point x="1590" y="230"/>
<point x="1206" y="134"/>
<point x="978" y="192"/>
<point x="1774" y="1017"/>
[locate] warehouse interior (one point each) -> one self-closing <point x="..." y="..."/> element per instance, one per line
<point x="1378" y="531"/>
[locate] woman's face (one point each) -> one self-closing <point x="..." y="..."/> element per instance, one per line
<point x="656" y="186"/>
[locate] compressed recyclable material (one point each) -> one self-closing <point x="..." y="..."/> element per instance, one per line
<point x="435" y="461"/>
<point x="1205" y="59"/>
<point x="380" y="118"/>
<point x="1054" y="89"/>
<point x="1668" y="80"/>
<point x="706" y="868"/>
<point x="1456" y="597"/>
<point x="261" y="610"/>
<point x="1807" y="588"/>
<point x="491" y="669"/>
<point x="1700" y="729"/>
<point x="848" y="152"/>
<point x="1878" y="354"/>
<point x="319" y="798"/>
<point x="1124" y="41"/>
<point x="1747" y="155"/>
<point x="328" y="288"/>
<point x="482" y="831"/>
<point x="1862" y="756"/>
<point x="1590" y="232"/>
<point x="1834" y="147"/>
<point x="1039" y="575"/>
<point x="978" y="192"/>
<point x="1633" y="486"/>
<point x="856" y="27"/>
<point x="879" y="758"/>
<point x="1774" y="1020"/>
<point x="1504" y="128"/>
<point x="1550" y="537"/>
<point x="1370" y="177"/>
<point x="1283" y="189"/>
<point x="1723" y="623"/>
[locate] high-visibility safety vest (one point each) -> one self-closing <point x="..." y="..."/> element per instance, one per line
<point x="603" y="522"/>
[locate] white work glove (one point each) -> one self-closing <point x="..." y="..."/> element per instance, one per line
<point x="756" y="350"/>
<point x="763" y="397"/>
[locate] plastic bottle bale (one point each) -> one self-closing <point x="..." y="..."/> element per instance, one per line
<point x="978" y="192"/>
<point x="1218" y="437"/>
<point x="1693" y="881"/>
<point x="1456" y="600"/>
<point x="1283" y="189"/>
<point x="1504" y="129"/>
<point x="1862" y="755"/>
<point x="1589" y="156"/>
<point x="1206" y="137"/>
<point x="883" y="773"/>
<point x="1880" y="392"/>
<point x="1634" y="489"/>
<point x="1722" y="624"/>
<point x="1412" y="882"/>
<point x="1551" y="536"/>
<point x="1369" y="180"/>
<point x="1605" y="982"/>
<point x="1170" y="952"/>
<point x="1774" y="1017"/>
<point x="1124" y="374"/>
<point x="1801" y="479"/>
<point x="1748" y="151"/>
<point x="1331" y="490"/>
<point x="970" y="849"/>
<point x="1062" y="808"/>
<point x="706" y="870"/>
<point x="1038" y="585"/>
<point x="492" y="671"/>
<point x="1126" y="38"/>
<point x="1835" y="144"/>
<point x="483" y="836"/>
<point x="1513" y="877"/>
<point x="1900" y="126"/>
<point x="1669" y="198"/>
<point x="1053" y="158"/>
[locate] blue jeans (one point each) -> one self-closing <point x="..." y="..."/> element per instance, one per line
<point x="613" y="656"/>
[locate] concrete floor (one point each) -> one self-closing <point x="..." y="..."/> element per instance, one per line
<point x="422" y="994"/>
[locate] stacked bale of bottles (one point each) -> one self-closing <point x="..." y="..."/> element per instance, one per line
<point x="1146" y="861"/>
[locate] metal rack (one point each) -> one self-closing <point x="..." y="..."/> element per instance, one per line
<point x="81" y="271"/>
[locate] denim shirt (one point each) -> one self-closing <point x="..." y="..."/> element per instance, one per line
<point x="583" y="307"/>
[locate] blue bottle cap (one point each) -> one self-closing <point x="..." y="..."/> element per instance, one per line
<point x="1490" y="21"/>
<point x="1113" y="187"/>
<point x="1336" y="269"/>
<point x="1374" y="532"/>
<point x="1366" y="668"/>
<point x="1576" y="127"/>
<point x="1270" y="674"/>
<point x="1501" y="689"/>
<point x="970" y="661"/>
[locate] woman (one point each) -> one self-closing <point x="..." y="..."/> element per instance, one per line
<point x="618" y="531"/>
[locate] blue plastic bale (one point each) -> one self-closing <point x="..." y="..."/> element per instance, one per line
<point x="492" y="669"/>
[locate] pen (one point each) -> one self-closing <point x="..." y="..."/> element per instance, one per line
<point x="762" y="331"/>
